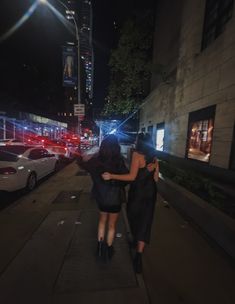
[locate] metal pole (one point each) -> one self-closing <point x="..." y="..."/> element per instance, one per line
<point x="4" y="128"/>
<point x="79" y="75"/>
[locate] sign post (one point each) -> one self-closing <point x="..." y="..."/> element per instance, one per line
<point x="79" y="111"/>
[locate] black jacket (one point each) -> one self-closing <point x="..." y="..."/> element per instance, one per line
<point x="106" y="193"/>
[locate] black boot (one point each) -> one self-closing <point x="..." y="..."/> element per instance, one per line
<point x="138" y="262"/>
<point x="100" y="249"/>
<point x="110" y="252"/>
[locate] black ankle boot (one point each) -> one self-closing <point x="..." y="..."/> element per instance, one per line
<point x="100" y="249"/>
<point x="110" y="252"/>
<point x="138" y="262"/>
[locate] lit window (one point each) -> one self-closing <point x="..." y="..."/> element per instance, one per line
<point x="200" y="133"/>
<point x="160" y="136"/>
<point x="70" y="12"/>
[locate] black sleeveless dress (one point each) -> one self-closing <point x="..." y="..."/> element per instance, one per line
<point x="141" y="204"/>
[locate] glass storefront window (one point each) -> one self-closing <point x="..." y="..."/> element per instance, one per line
<point x="200" y="140"/>
<point x="160" y="133"/>
<point x="160" y="139"/>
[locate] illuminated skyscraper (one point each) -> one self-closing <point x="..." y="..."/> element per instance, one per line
<point x="81" y="11"/>
<point x="86" y="48"/>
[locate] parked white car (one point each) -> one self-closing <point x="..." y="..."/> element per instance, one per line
<point x="22" y="166"/>
<point x="62" y="149"/>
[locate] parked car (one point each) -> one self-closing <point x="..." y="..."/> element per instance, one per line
<point x="63" y="150"/>
<point x="36" y="140"/>
<point x="22" y="166"/>
<point x="85" y="143"/>
<point x="6" y="142"/>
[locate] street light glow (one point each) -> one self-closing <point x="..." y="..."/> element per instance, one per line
<point x="20" y="22"/>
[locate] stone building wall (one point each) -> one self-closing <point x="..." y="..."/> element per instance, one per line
<point x="203" y="78"/>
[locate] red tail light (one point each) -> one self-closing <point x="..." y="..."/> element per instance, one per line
<point x="7" y="170"/>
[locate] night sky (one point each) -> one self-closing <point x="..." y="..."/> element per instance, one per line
<point x="30" y="60"/>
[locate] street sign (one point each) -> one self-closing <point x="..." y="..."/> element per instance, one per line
<point x="79" y="110"/>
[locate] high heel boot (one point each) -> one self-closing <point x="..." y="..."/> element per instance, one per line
<point x="100" y="249"/>
<point x="138" y="262"/>
<point x="110" y="252"/>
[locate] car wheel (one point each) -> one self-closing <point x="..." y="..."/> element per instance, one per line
<point x="31" y="182"/>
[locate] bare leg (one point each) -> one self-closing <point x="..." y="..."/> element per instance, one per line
<point x="111" y="227"/>
<point x="101" y="226"/>
<point x="138" y="256"/>
<point x="140" y="246"/>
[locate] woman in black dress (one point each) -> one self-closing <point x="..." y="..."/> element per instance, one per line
<point x="144" y="172"/>
<point x="108" y="194"/>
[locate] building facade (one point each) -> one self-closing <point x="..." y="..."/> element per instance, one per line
<point x="18" y="125"/>
<point x="86" y="51"/>
<point x="190" y="111"/>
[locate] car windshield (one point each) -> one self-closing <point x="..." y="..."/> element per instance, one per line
<point x="11" y="153"/>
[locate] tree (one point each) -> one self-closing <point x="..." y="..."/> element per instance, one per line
<point x="130" y="66"/>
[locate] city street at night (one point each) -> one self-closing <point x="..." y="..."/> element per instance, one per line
<point x="117" y="151"/>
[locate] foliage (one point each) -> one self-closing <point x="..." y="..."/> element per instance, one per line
<point x="119" y="108"/>
<point x="199" y="185"/>
<point x="130" y="65"/>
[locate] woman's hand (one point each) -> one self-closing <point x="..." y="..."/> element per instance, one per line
<point x="151" y="167"/>
<point x="106" y="176"/>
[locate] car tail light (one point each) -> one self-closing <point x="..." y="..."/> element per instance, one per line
<point x="7" y="171"/>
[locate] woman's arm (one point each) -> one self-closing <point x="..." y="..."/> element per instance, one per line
<point x="125" y="177"/>
<point x="87" y="162"/>
<point x="156" y="172"/>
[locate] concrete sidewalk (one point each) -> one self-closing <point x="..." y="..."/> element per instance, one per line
<point x="48" y="241"/>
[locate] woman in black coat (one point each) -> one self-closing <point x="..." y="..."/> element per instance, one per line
<point x="108" y="194"/>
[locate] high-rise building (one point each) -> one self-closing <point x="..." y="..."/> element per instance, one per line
<point x="86" y="49"/>
<point x="70" y="92"/>
<point x="81" y="12"/>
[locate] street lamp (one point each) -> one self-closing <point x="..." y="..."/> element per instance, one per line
<point x="78" y="53"/>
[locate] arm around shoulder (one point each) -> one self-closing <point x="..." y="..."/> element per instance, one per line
<point x="129" y="176"/>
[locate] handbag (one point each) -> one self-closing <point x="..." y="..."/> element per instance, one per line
<point x="110" y="194"/>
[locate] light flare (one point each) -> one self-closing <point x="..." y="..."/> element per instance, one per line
<point x="20" y="22"/>
<point x="70" y="27"/>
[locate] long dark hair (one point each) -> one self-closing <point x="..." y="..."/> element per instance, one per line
<point x="110" y="150"/>
<point x="144" y="145"/>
